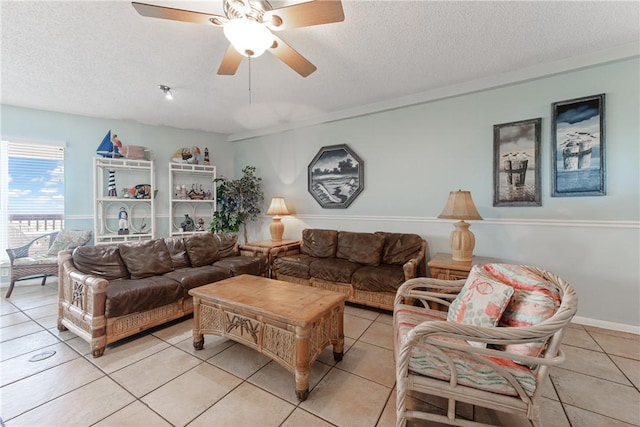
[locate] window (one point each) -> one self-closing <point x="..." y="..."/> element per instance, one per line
<point x="32" y="188"/>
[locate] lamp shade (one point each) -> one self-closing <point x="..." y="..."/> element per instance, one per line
<point x="248" y="37"/>
<point x="278" y="207"/>
<point x="460" y="206"/>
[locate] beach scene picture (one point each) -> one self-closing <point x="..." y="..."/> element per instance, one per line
<point x="336" y="176"/>
<point x="517" y="163"/>
<point x="579" y="147"/>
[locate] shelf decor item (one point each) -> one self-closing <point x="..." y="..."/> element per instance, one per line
<point x="336" y="176"/>
<point x="460" y="206"/>
<point x="516" y="163"/>
<point x="578" y="147"/>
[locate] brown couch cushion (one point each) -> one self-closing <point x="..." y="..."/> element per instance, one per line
<point x="236" y="265"/>
<point x="147" y="258"/>
<point x="382" y="278"/>
<point x="345" y="242"/>
<point x="319" y="243"/>
<point x="192" y="277"/>
<point x="178" y="253"/>
<point x="333" y="269"/>
<point x="293" y="265"/>
<point x="126" y="296"/>
<point x="227" y="244"/>
<point x="366" y="248"/>
<point x="101" y="261"/>
<point x="399" y="248"/>
<point x="202" y="249"/>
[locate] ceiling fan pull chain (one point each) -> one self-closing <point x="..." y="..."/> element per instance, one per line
<point x="249" y="80"/>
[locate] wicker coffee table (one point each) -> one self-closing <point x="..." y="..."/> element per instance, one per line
<point x="292" y="324"/>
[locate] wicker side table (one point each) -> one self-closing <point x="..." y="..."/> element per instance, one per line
<point x="271" y="249"/>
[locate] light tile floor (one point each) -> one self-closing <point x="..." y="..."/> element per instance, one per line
<point x="157" y="379"/>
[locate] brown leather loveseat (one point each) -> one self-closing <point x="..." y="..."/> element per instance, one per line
<point x="107" y="293"/>
<point x="369" y="267"/>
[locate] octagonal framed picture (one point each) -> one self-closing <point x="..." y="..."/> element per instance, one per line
<point x="336" y="176"/>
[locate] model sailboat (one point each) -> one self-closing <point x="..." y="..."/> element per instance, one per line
<point x="109" y="146"/>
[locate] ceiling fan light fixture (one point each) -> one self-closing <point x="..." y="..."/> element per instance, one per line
<point x="248" y="37"/>
<point x="167" y="92"/>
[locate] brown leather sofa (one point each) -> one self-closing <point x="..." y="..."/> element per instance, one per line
<point x="369" y="267"/>
<point x="107" y="293"/>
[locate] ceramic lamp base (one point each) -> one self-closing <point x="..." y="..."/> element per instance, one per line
<point x="277" y="229"/>
<point x="462" y="242"/>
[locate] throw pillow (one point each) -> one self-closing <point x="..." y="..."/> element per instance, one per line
<point x="68" y="239"/>
<point x="534" y="301"/>
<point x="481" y="301"/>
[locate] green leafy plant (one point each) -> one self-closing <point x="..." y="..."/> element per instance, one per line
<point x="239" y="202"/>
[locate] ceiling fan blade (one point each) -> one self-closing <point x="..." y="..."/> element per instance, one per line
<point x="291" y="57"/>
<point x="178" y="14"/>
<point x="230" y="62"/>
<point x="305" y="14"/>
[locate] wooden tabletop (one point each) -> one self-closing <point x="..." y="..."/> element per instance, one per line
<point x="287" y="302"/>
<point x="270" y="243"/>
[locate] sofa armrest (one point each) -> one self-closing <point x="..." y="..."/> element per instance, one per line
<point x="83" y="294"/>
<point x="416" y="266"/>
<point x="426" y="290"/>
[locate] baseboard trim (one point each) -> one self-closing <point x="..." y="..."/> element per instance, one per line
<point x="621" y="327"/>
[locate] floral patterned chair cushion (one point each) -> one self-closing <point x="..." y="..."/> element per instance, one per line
<point x="481" y="301"/>
<point x="534" y="300"/>
<point x="476" y="373"/>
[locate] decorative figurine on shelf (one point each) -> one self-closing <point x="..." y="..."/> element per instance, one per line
<point x="123" y="221"/>
<point x="200" y="226"/>
<point x="206" y="156"/>
<point x="111" y="187"/>
<point x="187" y="224"/>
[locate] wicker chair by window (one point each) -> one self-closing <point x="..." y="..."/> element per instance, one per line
<point x="39" y="257"/>
<point x="492" y="349"/>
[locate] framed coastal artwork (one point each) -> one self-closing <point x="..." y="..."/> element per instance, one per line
<point x="516" y="163"/>
<point x="578" y="147"/>
<point x="336" y="176"/>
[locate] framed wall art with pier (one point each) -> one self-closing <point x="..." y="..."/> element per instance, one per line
<point x="516" y="163"/>
<point x="578" y="147"/>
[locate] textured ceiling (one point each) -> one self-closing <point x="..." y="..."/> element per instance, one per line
<point x="103" y="59"/>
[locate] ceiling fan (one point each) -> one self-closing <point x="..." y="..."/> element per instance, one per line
<point x="249" y="25"/>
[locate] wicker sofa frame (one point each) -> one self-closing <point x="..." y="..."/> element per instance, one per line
<point x="443" y="292"/>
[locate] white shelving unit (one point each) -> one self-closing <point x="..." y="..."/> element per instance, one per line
<point x="196" y="178"/>
<point x="140" y="206"/>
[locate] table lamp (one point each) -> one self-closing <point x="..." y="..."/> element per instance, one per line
<point x="460" y="206"/>
<point x="276" y="209"/>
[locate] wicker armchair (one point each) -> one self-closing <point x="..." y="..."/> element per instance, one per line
<point x="30" y="260"/>
<point x="449" y="342"/>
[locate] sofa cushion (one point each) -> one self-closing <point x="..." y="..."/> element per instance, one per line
<point x="227" y="244"/>
<point x="126" y="296"/>
<point x="319" y="243"/>
<point x="68" y="239"/>
<point x="146" y="258"/>
<point x="101" y="261"/>
<point x="366" y="248"/>
<point x="236" y="265"/>
<point x="293" y="265"/>
<point x="471" y="373"/>
<point x="178" y="253"/>
<point x="382" y="278"/>
<point x="534" y="300"/>
<point x="480" y="302"/>
<point x="333" y="269"/>
<point x="192" y="277"/>
<point x="202" y="249"/>
<point x="399" y="247"/>
<point x="345" y="242"/>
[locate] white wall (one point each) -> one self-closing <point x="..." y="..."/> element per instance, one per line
<point x="415" y="155"/>
<point x="84" y="134"/>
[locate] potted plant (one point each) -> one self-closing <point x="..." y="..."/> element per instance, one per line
<point x="239" y="202"/>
